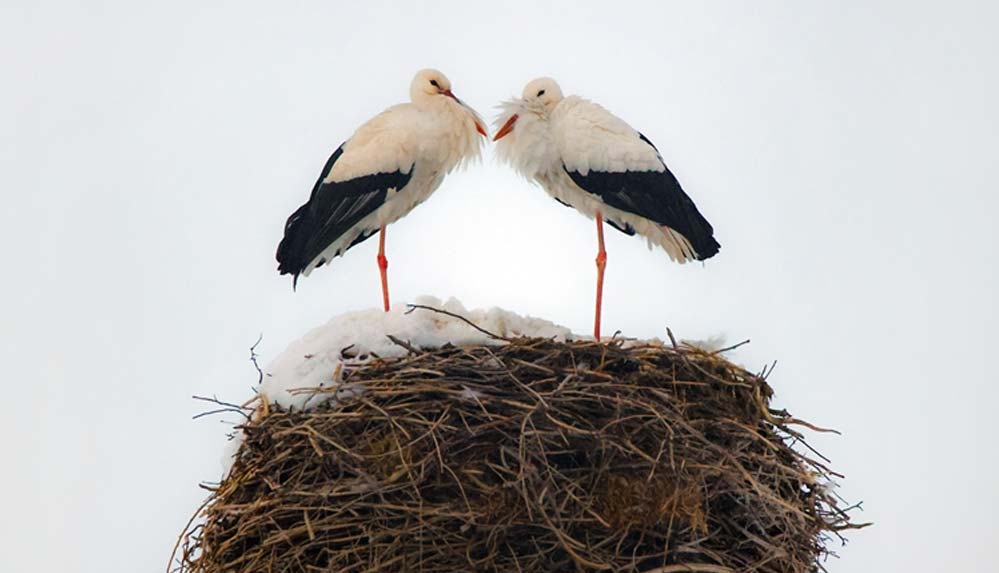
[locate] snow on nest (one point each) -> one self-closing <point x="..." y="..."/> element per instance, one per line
<point x="314" y="360"/>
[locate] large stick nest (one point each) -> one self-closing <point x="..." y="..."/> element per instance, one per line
<point x="535" y="456"/>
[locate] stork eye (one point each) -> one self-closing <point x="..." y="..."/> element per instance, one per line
<point x="541" y="93"/>
<point x="434" y="83"/>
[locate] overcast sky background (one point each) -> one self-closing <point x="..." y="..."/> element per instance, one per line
<point x="846" y="153"/>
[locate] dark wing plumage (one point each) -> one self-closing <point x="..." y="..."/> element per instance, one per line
<point x="623" y="227"/>
<point x="332" y="210"/>
<point x="655" y="195"/>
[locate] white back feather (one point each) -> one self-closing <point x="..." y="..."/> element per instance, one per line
<point x="442" y="135"/>
<point x="590" y="137"/>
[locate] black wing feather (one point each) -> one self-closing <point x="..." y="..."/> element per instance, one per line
<point x="332" y="210"/>
<point x="623" y="227"/>
<point x="654" y="195"/>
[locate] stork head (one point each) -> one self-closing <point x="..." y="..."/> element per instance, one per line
<point x="428" y="84"/>
<point x="431" y="87"/>
<point x="539" y="99"/>
<point x="525" y="140"/>
<point x="543" y="93"/>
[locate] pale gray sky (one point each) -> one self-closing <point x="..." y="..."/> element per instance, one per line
<point x="844" y="151"/>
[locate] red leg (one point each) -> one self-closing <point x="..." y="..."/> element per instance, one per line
<point x="601" y="265"/>
<point x="383" y="268"/>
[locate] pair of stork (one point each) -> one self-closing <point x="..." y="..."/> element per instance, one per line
<point x="581" y="154"/>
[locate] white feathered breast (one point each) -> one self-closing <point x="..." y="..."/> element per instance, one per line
<point x="530" y="148"/>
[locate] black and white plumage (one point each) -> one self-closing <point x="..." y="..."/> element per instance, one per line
<point x="589" y="159"/>
<point x="334" y="209"/>
<point x="656" y="196"/>
<point x="390" y="165"/>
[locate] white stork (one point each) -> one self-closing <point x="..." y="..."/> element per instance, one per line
<point x="390" y="165"/>
<point x="588" y="158"/>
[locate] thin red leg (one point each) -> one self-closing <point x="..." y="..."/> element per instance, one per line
<point x="601" y="265"/>
<point x="383" y="268"/>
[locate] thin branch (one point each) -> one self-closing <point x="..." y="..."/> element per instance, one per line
<point x="226" y="407"/>
<point x="399" y="342"/>
<point x="671" y="338"/>
<point x="413" y="307"/>
<point x="253" y="359"/>
<point x="733" y="347"/>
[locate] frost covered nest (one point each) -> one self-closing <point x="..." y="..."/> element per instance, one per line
<point x="529" y="455"/>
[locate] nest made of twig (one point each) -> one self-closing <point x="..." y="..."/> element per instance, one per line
<point x="534" y="456"/>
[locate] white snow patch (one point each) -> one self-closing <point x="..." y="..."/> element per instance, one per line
<point x="709" y="344"/>
<point x="316" y="359"/>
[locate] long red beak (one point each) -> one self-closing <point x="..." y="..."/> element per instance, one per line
<point x="507" y="127"/>
<point x="478" y="126"/>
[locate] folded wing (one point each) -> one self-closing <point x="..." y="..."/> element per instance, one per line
<point x="606" y="157"/>
<point x="334" y="214"/>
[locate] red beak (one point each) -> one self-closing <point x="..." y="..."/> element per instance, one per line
<point x="478" y="126"/>
<point x="507" y="127"/>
